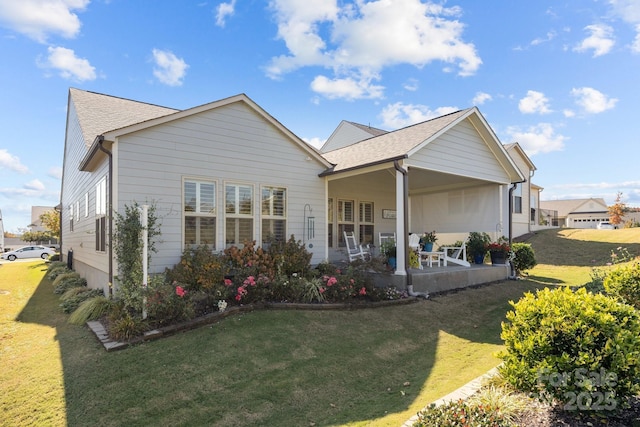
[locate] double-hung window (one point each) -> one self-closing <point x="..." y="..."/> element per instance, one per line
<point x="199" y="213"/>
<point x="238" y="202"/>
<point x="517" y="199"/>
<point x="346" y="219"/>
<point x="366" y="222"/>
<point x="274" y="214"/>
<point x="101" y="215"/>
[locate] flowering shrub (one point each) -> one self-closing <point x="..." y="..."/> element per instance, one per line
<point x="502" y="245"/>
<point x="428" y="237"/>
<point x="167" y="303"/>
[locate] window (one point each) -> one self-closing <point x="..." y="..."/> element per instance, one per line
<point x="238" y="214"/>
<point x="346" y="221"/>
<point x="366" y="222"/>
<point x="71" y="217"/>
<point x="101" y="215"/>
<point x="274" y="214"/>
<point x="330" y="223"/>
<point x="86" y="205"/>
<point x="517" y="199"/>
<point x="78" y="211"/>
<point x="199" y="213"/>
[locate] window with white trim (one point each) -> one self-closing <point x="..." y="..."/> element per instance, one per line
<point x="517" y="199"/>
<point x="274" y="214"/>
<point x="346" y="219"/>
<point x="77" y="210"/>
<point x="199" y="212"/>
<point x="330" y="222"/>
<point x="71" y="217"/>
<point x="86" y="205"/>
<point x="238" y="202"/>
<point x="365" y="218"/>
<point x="101" y="215"/>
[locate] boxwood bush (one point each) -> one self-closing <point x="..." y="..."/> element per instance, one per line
<point x="565" y="345"/>
<point x="624" y="283"/>
<point x="524" y="258"/>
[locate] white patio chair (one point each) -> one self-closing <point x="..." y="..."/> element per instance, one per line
<point x="456" y="254"/>
<point x="355" y="250"/>
<point x="386" y="237"/>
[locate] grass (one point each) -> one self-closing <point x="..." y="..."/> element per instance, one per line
<point x="355" y="368"/>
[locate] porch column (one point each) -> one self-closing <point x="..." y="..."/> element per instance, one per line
<point x="401" y="235"/>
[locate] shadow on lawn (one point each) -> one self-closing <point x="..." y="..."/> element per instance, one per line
<point x="275" y="367"/>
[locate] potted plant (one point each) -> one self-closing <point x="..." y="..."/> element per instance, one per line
<point x="477" y="245"/>
<point x="427" y="240"/>
<point x="499" y="251"/>
<point x="388" y="249"/>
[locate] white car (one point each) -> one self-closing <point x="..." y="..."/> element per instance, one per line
<point x="29" y="252"/>
<point x="605" y="226"/>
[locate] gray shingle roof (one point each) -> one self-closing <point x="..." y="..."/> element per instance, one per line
<point x="389" y="145"/>
<point x="98" y="113"/>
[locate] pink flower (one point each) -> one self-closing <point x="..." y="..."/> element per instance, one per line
<point x="238" y="297"/>
<point x="363" y="291"/>
<point x="352" y="281"/>
<point x="322" y="290"/>
<point x="332" y="281"/>
<point x="180" y="291"/>
<point x="228" y="282"/>
<point x="250" y="281"/>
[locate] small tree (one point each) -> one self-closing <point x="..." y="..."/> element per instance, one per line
<point x="617" y="210"/>
<point x="51" y="221"/>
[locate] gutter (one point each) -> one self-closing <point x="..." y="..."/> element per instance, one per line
<point x="331" y="171"/>
<point x="109" y="154"/>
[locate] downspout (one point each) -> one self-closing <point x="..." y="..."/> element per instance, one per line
<point x="512" y="272"/>
<point x="110" y="155"/>
<point x="405" y="225"/>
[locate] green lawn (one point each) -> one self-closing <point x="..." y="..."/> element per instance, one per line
<point x="373" y="367"/>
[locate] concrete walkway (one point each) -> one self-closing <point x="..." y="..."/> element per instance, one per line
<point x="463" y="393"/>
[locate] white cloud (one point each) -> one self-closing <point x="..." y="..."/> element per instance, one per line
<point x="347" y="88"/>
<point x="11" y="162"/>
<point x="601" y="40"/>
<point x="534" y="102"/>
<point x="362" y="38"/>
<point x="169" y="69"/>
<point x="55" y="172"/>
<point x="38" y="19"/>
<point x="411" y="85"/>
<point x="549" y="36"/>
<point x="69" y="65"/>
<point x="481" y="98"/>
<point x="223" y="10"/>
<point x="34" y="185"/>
<point x="540" y="138"/>
<point x="593" y="101"/>
<point x="315" y="142"/>
<point x="399" y="115"/>
<point x="568" y="113"/>
<point x="629" y="11"/>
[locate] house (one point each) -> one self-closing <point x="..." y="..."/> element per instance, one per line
<point x="36" y="211"/>
<point x="227" y="172"/>
<point x="578" y="213"/>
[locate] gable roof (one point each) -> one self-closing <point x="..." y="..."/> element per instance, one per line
<point x="566" y="207"/>
<point x="514" y="146"/>
<point x="348" y="133"/>
<point x="107" y="117"/>
<point x="390" y="145"/>
<point x="98" y="113"/>
<point x="402" y="143"/>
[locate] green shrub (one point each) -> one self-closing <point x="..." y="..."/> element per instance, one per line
<point x="73" y="297"/>
<point x="57" y="269"/>
<point x="555" y="338"/>
<point x="67" y="281"/>
<point x="624" y="282"/>
<point x="460" y="413"/>
<point x="125" y="326"/>
<point x="290" y="257"/>
<point x="168" y="303"/>
<point x="90" y="309"/>
<point x="524" y="257"/>
<point x="198" y="269"/>
<point x="312" y="291"/>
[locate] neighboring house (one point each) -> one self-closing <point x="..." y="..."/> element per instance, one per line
<point x="525" y="196"/>
<point x="1" y="233"/>
<point x="578" y="213"/>
<point x="227" y="172"/>
<point x="36" y="211"/>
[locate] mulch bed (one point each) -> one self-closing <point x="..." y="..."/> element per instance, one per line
<point x="542" y="415"/>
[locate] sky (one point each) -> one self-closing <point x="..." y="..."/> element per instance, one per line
<point x="558" y="77"/>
